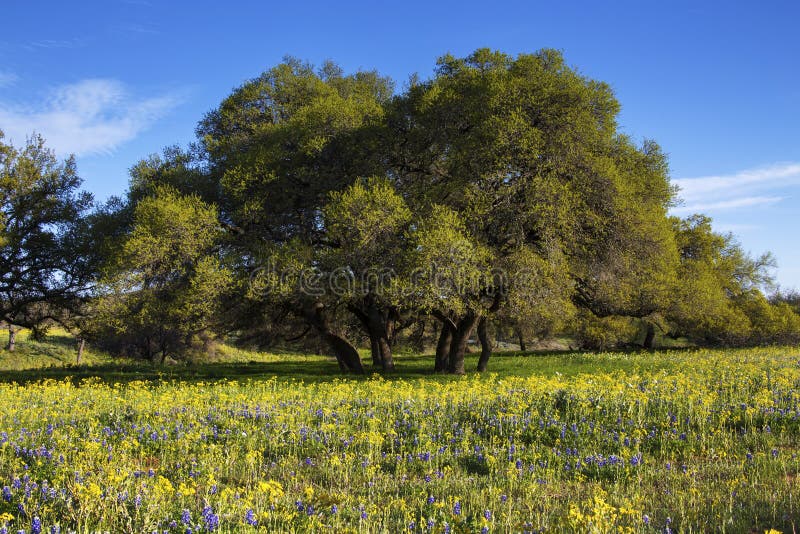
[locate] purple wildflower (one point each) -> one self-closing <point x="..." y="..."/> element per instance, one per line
<point x="250" y="518"/>
<point x="211" y="519"/>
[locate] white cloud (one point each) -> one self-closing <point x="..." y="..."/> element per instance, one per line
<point x="745" y="189"/>
<point x="89" y="117"/>
<point x="736" y="227"/>
<point x="7" y="78"/>
<point x="745" y="202"/>
<point x="142" y="28"/>
<point x="49" y="44"/>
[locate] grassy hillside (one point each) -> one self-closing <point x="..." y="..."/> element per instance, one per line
<point x="58" y="350"/>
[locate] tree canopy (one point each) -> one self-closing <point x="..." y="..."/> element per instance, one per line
<point x="162" y="290"/>
<point x="497" y="194"/>
<point x="47" y="259"/>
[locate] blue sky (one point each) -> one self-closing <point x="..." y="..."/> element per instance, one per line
<point x="717" y="84"/>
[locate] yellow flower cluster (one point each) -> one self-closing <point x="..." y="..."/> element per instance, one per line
<point x="684" y="440"/>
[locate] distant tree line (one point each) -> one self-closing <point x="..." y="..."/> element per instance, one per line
<point x="328" y="210"/>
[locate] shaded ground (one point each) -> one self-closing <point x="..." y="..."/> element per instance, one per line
<point x="54" y="359"/>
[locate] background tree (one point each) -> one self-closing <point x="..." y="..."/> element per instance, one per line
<point x="770" y="322"/>
<point x="715" y="274"/>
<point x="47" y="261"/>
<point x="789" y="297"/>
<point x="162" y="292"/>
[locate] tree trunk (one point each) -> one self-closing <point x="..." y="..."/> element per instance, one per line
<point x="486" y="344"/>
<point x="386" y="354"/>
<point x="443" y="348"/>
<point x="389" y="325"/>
<point x="378" y="326"/>
<point x="521" y="340"/>
<point x="81" y="346"/>
<point x="345" y="353"/>
<point x="650" y="336"/>
<point x="375" y="349"/>
<point x="12" y="338"/>
<point x="458" y="345"/>
<point x="419" y="337"/>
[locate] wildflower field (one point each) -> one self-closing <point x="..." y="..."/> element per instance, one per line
<point x="683" y="441"/>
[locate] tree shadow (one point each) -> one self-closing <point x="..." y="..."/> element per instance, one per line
<point x="297" y="368"/>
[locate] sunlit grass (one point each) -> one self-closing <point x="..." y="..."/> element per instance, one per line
<point x="58" y="350"/>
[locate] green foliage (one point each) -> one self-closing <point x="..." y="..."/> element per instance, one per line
<point x="497" y="164"/>
<point x="539" y="293"/>
<point x="718" y="298"/>
<point x="278" y="146"/>
<point x="603" y="333"/>
<point x="447" y="268"/>
<point x="526" y="151"/>
<point x="175" y="168"/>
<point x="790" y="297"/>
<point x="47" y="258"/>
<point x="500" y="189"/>
<point x="287" y="272"/>
<point x="768" y="322"/>
<point x="715" y="296"/>
<point x="163" y="291"/>
<point x="366" y="223"/>
<point x="282" y="142"/>
<point x="631" y="266"/>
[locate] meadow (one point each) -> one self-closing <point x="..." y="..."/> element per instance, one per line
<point x="672" y="441"/>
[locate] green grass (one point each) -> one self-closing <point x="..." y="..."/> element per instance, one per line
<point x="54" y="358"/>
<point x="58" y="350"/>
